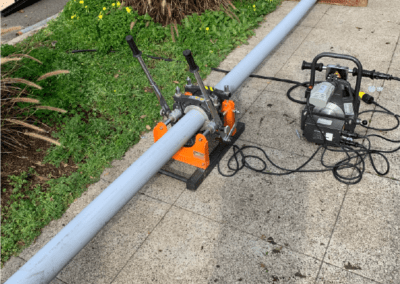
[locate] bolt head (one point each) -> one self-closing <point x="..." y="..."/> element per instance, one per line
<point x="200" y="139"/>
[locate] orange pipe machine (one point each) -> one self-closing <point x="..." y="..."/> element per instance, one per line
<point x="205" y="148"/>
<point x="219" y="131"/>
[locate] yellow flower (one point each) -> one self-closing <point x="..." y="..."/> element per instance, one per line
<point x="128" y="10"/>
<point x="72" y="17"/>
<point x="211" y="51"/>
<point x="115" y="91"/>
<point x="104" y="8"/>
<point x="86" y="7"/>
<point x="254" y="10"/>
<point x="100" y="17"/>
<point x="113" y="4"/>
<point x="254" y="6"/>
<point x="81" y="2"/>
<point x="118" y="4"/>
<point x="207" y="29"/>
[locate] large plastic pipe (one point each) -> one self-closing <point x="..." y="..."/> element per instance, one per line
<point x="248" y="64"/>
<point x="50" y="260"/>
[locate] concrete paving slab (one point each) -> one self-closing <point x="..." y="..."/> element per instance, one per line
<point x="297" y="211"/>
<point x="358" y="19"/>
<point x="105" y="255"/>
<point x="272" y="121"/>
<point x="311" y="19"/>
<point x="335" y="275"/>
<point x="366" y="235"/>
<point x="370" y="48"/>
<point x="281" y="54"/>
<point x="384" y="5"/>
<point x="12" y="266"/>
<point x="245" y="96"/>
<point x="187" y="247"/>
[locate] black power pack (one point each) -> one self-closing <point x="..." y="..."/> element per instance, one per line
<point x="332" y="105"/>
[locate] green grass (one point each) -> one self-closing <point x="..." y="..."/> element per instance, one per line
<point x="92" y="86"/>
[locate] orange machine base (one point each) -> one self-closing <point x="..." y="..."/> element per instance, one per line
<point x="197" y="155"/>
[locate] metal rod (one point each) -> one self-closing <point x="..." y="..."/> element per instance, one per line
<point x="248" y="64"/>
<point x="50" y="260"/>
<point x="153" y="84"/>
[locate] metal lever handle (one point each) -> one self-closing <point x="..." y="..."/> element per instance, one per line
<point x="194" y="69"/>
<point x="190" y="60"/>
<point x="227" y="138"/>
<point x="138" y="54"/>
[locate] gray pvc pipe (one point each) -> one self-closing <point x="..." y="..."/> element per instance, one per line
<point x="50" y="260"/>
<point x="248" y="64"/>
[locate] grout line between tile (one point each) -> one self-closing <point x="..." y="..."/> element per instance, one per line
<point x="171" y="205"/>
<point x="333" y="230"/>
<point x="240" y="230"/>
<point x="341" y="268"/>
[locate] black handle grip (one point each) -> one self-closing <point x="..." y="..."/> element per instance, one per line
<point x="136" y="52"/>
<point x="307" y="65"/>
<point x="189" y="58"/>
<point x="372" y="74"/>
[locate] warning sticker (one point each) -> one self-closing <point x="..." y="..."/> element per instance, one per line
<point x="348" y="109"/>
<point x="324" y="121"/>
<point x="322" y="88"/>
<point x="331" y="106"/>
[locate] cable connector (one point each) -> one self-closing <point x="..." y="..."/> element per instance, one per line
<point x="352" y="135"/>
<point x="350" y="143"/>
<point x="366" y="98"/>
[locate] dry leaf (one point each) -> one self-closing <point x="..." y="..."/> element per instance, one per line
<point x="43" y="178"/>
<point x="20" y="81"/>
<point x="47" y="75"/>
<point x="176" y="82"/>
<point x="263" y="237"/>
<point x="21" y="11"/>
<point x="116" y="76"/>
<point x="133" y="24"/>
<point x="143" y="116"/>
<point x="25" y="124"/>
<point x="27" y="56"/>
<point x="52" y="108"/>
<point x="43" y="138"/>
<point x="4" y="31"/>
<point x="148" y="127"/>
<point x="26" y="100"/>
<point x="5" y="60"/>
<point x="172" y="34"/>
<point x="106" y="174"/>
